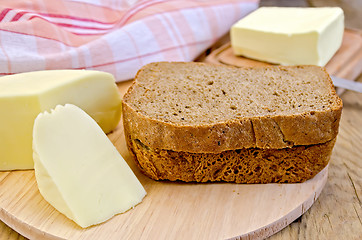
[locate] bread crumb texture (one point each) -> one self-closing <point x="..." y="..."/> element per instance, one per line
<point x="204" y="94"/>
<point x="251" y="165"/>
<point x="197" y="122"/>
<point x="197" y="107"/>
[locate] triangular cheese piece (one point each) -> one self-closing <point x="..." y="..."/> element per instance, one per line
<point x="78" y="170"/>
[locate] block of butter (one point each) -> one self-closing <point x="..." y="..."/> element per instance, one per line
<point x="23" y="96"/>
<point x="78" y="170"/>
<point x="289" y="36"/>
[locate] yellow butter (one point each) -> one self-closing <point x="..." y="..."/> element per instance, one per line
<point x="23" y="96"/>
<point x="289" y="36"/>
<point x="78" y="170"/>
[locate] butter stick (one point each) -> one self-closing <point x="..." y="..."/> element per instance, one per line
<point x="78" y="170"/>
<point x="23" y="96"/>
<point x="289" y="36"/>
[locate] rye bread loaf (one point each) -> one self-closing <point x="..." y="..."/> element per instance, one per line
<point x="199" y="111"/>
<point x="248" y="165"/>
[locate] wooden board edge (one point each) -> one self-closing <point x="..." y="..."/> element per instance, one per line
<point x="347" y="72"/>
<point x="25" y="229"/>
<point x="273" y="228"/>
<point x="266" y="231"/>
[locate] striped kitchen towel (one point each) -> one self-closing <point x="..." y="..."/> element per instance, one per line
<point x="116" y="36"/>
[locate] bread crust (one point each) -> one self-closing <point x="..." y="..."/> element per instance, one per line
<point x="274" y="132"/>
<point x="269" y="132"/>
<point x="252" y="165"/>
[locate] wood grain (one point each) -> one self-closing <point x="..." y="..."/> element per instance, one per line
<point x="350" y="52"/>
<point x="352" y="10"/>
<point x="337" y="212"/>
<point x="171" y="210"/>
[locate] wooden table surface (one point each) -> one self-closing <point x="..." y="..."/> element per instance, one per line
<point x="337" y="213"/>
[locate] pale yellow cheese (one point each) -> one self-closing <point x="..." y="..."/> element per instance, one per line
<point x="289" y="36"/>
<point x="23" y="96"/>
<point x="78" y="170"/>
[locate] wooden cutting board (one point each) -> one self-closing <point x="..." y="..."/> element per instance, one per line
<point x="169" y="211"/>
<point x="179" y="210"/>
<point x="346" y="63"/>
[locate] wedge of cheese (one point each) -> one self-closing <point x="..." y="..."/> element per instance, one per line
<point x="23" y="96"/>
<point x="78" y="170"/>
<point x="289" y="36"/>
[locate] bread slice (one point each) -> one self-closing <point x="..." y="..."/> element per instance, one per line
<point x="176" y="113"/>
<point x="248" y="165"/>
<point x="195" y="107"/>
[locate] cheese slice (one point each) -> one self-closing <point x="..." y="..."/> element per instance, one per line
<point x="78" y="170"/>
<point x="289" y="36"/>
<point x="23" y="96"/>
